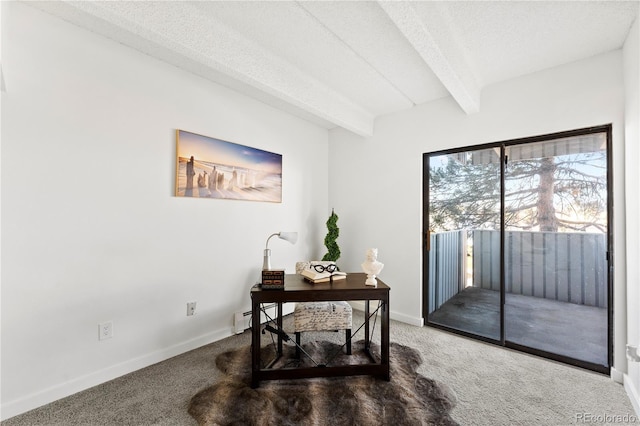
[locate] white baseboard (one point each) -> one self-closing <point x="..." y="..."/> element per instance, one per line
<point x="617" y="375"/>
<point x="418" y="322"/>
<point x="62" y="390"/>
<point x="633" y="393"/>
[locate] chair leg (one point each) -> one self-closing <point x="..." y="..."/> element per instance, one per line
<point x="297" y="345"/>
<point x="347" y="333"/>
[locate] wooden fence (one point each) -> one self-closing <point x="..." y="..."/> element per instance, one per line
<point x="568" y="267"/>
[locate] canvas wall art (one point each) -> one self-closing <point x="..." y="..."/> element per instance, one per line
<point x="207" y="167"/>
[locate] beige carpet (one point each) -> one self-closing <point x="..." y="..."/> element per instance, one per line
<point x="494" y="386"/>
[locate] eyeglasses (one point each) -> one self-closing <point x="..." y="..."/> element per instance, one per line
<point x="322" y="268"/>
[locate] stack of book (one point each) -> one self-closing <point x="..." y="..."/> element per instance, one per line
<point x="273" y="279"/>
<point x="322" y="277"/>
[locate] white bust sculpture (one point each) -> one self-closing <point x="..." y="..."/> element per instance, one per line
<point x="372" y="267"/>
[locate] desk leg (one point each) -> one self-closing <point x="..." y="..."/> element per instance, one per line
<point x="255" y="343"/>
<point x="367" y="342"/>
<point x="279" y="323"/>
<point x="384" y="339"/>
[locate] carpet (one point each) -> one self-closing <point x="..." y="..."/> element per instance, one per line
<point x="408" y="399"/>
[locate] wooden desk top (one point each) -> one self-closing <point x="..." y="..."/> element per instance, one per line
<point x="297" y="289"/>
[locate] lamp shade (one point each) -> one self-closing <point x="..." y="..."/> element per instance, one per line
<point x="292" y="237"/>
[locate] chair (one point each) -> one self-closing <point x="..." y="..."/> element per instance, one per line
<point x="321" y="316"/>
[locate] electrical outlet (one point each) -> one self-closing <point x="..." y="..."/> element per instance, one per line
<point x="633" y="354"/>
<point x="105" y="330"/>
<point x="191" y="308"/>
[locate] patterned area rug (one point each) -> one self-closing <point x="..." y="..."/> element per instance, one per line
<point x="408" y="399"/>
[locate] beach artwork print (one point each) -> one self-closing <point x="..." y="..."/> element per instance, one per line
<point x="213" y="168"/>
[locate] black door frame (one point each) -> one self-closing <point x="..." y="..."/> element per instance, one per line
<point x="607" y="129"/>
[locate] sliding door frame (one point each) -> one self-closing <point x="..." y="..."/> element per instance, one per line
<point x="607" y="129"/>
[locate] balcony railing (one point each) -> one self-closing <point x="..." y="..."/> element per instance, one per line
<point x="568" y="267"/>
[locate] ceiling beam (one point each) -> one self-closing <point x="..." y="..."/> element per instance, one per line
<point x="181" y="35"/>
<point x="430" y="31"/>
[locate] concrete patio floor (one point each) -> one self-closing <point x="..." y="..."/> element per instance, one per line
<point x="567" y="329"/>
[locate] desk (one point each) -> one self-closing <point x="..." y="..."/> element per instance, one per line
<point x="296" y="289"/>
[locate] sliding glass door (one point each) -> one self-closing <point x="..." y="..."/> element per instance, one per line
<point x="464" y="203"/>
<point x="517" y="239"/>
<point x="556" y="294"/>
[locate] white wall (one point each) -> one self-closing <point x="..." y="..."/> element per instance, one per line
<point x="632" y="158"/>
<point x="376" y="183"/>
<point x="91" y="230"/>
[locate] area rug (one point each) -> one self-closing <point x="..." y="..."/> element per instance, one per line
<point x="408" y="399"/>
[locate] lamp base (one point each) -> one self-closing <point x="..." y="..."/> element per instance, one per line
<point x="266" y="262"/>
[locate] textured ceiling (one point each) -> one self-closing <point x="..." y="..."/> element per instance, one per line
<point x="344" y="63"/>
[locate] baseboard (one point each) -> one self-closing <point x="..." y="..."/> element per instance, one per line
<point x="633" y="393"/>
<point x="418" y="322"/>
<point x="53" y="393"/>
<point x="617" y="375"/>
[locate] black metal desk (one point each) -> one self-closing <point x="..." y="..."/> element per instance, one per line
<point x="296" y="289"/>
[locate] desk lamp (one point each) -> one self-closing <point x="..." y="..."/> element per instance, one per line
<point x="292" y="237"/>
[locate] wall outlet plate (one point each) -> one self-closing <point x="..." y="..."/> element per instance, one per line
<point x="191" y="308"/>
<point x="633" y="354"/>
<point x="105" y="330"/>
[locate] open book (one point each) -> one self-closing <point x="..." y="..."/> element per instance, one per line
<point x="310" y="273"/>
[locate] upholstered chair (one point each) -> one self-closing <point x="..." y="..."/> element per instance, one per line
<point x="321" y="316"/>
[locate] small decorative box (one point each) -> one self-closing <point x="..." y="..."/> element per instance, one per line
<point x="273" y="279"/>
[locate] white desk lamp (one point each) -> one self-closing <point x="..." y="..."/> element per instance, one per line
<point x="292" y="237"/>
